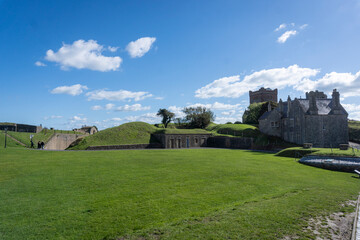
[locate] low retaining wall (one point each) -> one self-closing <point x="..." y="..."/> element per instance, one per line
<point x="129" y="146"/>
<point x="60" y="141"/>
<point x="230" y="142"/>
<point x="343" y="164"/>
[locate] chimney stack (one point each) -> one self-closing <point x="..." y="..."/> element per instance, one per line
<point x="313" y="110"/>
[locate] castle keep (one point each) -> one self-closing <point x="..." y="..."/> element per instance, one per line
<point x="263" y="95"/>
<point x="317" y="119"/>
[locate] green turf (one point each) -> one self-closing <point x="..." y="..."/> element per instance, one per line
<point x="128" y="133"/>
<point x="168" y="194"/>
<point x="182" y="131"/>
<point x="243" y="130"/>
<point x="354" y="131"/>
<point x="298" y="152"/>
<point x="9" y="142"/>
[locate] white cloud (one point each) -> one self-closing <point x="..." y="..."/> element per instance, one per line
<point x="232" y="87"/>
<point x="159" y="98"/>
<point x="353" y="110"/>
<point x="303" y="26"/>
<point x="228" y="113"/>
<point x="147" y="117"/>
<point x="83" y="55"/>
<point x="226" y="119"/>
<point x="216" y="106"/>
<point x="117" y="95"/>
<point x="139" y="47"/>
<point x="282" y="26"/>
<point x="77" y="119"/>
<point x="285" y="36"/>
<point x="109" y="106"/>
<point x="53" y="117"/>
<point x="96" y="107"/>
<point x="113" y="49"/>
<point x="132" y="108"/>
<point x="73" y="90"/>
<point x="178" y="111"/>
<point x="40" y="64"/>
<point x="348" y="84"/>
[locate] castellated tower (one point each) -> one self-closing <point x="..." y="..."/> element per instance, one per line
<point x="263" y="95"/>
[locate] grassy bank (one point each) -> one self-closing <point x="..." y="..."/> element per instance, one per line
<point x="297" y="152"/>
<point x="169" y="194"/>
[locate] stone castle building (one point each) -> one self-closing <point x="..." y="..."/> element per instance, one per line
<point x="263" y="95"/>
<point x="317" y="119"/>
<point x="16" y="127"/>
<point x="86" y="129"/>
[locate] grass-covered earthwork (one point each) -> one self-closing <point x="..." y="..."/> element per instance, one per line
<point x="164" y="194"/>
<point x="298" y="152"/>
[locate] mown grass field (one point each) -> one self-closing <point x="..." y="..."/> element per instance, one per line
<point x="168" y="194"/>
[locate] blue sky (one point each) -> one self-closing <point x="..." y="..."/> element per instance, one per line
<point x="65" y="64"/>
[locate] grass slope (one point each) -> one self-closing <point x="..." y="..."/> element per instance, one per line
<point x="9" y="142"/>
<point x="354" y="131"/>
<point x="42" y="136"/>
<point x="168" y="194"/>
<point x="128" y="133"/>
<point x="244" y="130"/>
<point x="298" y="152"/>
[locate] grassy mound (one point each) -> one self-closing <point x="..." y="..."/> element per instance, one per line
<point x="182" y="131"/>
<point x="128" y="133"/>
<point x="165" y="194"/>
<point x="298" y="152"/>
<point x="237" y="130"/>
<point x="354" y="131"/>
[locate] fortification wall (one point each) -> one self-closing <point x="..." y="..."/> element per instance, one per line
<point x="230" y="142"/>
<point x="61" y="141"/>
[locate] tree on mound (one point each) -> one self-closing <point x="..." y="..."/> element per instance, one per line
<point x="199" y="117"/>
<point x="255" y="111"/>
<point x="166" y="115"/>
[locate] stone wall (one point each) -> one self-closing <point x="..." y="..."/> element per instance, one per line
<point x="61" y="141"/>
<point x="230" y="142"/>
<point x="182" y="140"/>
<point x="21" y="128"/>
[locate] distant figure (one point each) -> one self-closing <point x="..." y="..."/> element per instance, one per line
<point x="32" y="143"/>
<point x="39" y="145"/>
<point x="42" y="145"/>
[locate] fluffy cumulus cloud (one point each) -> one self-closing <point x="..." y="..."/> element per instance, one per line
<point x="216" y="106"/>
<point x="353" y="110"/>
<point x="109" y="106"/>
<point x="282" y="26"/>
<point x="120" y="95"/>
<point x="84" y="55"/>
<point x="348" y="84"/>
<point x="132" y="108"/>
<point x="139" y="47"/>
<point x="40" y="64"/>
<point x="73" y="90"/>
<point x="286" y="35"/>
<point x="147" y="117"/>
<point x="96" y="107"/>
<point x="53" y="117"/>
<point x="233" y="87"/>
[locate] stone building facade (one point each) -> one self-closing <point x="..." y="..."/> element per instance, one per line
<point x="87" y="130"/>
<point x="317" y="119"/>
<point x="263" y="95"/>
<point x="182" y="140"/>
<point x="15" y="127"/>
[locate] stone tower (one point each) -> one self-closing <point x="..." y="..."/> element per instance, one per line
<point x="263" y="95"/>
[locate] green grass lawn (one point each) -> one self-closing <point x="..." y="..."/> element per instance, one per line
<point x="170" y="194"/>
<point x="298" y="152"/>
<point x="243" y="130"/>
